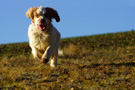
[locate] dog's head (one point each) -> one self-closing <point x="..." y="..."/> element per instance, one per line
<point x="42" y="17"/>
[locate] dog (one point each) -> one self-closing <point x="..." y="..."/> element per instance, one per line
<point x="44" y="38"/>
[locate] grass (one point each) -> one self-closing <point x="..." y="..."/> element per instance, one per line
<point x="98" y="62"/>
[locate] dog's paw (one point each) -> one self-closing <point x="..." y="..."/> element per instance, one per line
<point x="44" y="60"/>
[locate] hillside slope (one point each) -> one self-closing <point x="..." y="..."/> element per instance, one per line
<point x="104" y="41"/>
<point x="97" y="62"/>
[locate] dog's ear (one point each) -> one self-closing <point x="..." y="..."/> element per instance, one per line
<point x="53" y="14"/>
<point x="30" y="12"/>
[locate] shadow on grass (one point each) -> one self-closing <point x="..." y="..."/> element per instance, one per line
<point x="12" y="88"/>
<point x="111" y="64"/>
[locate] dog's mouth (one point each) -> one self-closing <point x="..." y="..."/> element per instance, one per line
<point x="42" y="27"/>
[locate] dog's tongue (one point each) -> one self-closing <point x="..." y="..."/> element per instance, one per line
<point x="42" y="27"/>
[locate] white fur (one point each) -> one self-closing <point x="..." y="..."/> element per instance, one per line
<point x="40" y="9"/>
<point x="60" y="52"/>
<point x="44" y="44"/>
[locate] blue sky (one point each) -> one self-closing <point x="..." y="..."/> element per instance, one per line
<point x="78" y="17"/>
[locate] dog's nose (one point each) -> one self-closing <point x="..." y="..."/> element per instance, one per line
<point x="42" y="20"/>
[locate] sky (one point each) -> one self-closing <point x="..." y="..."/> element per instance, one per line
<point x="78" y="17"/>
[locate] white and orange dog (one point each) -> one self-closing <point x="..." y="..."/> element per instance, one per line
<point x="44" y="38"/>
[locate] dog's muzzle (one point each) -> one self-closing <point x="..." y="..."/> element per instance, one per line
<point x="42" y="27"/>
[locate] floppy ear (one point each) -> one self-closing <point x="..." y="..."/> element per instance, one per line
<point x="53" y="14"/>
<point x="30" y="12"/>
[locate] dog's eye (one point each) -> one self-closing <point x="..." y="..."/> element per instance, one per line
<point x="37" y="15"/>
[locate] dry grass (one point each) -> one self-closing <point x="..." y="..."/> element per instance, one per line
<point x="81" y="68"/>
<point x="100" y="69"/>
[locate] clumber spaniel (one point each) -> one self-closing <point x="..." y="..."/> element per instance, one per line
<point x="44" y="39"/>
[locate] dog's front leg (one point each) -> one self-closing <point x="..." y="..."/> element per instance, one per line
<point x="35" y="53"/>
<point x="46" y="56"/>
<point x="54" y="60"/>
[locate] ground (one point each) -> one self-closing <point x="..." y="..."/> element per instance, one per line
<point x="99" y="62"/>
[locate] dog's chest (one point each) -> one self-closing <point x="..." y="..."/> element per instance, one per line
<point x="40" y="40"/>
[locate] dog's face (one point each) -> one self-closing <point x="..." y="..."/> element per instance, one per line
<point x="42" y="17"/>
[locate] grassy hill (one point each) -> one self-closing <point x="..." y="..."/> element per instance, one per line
<point x="97" y="62"/>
